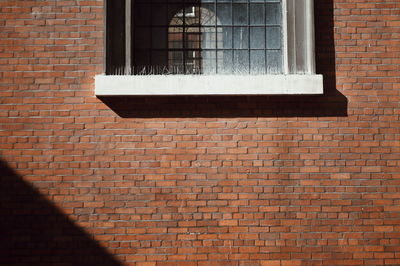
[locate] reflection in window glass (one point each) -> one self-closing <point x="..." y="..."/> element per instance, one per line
<point x="209" y="37"/>
<point x="240" y="14"/>
<point x="257" y="37"/>
<point x="240" y="37"/>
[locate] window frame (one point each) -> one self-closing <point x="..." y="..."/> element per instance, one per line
<point x="298" y="65"/>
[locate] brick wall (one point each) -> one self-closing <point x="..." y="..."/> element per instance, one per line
<point x="299" y="180"/>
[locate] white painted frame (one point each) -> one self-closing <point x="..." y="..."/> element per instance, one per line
<point x="298" y="36"/>
<point x="284" y="37"/>
<point x="298" y="66"/>
<point x="128" y="36"/>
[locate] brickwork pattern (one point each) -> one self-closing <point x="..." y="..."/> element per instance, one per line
<point x="220" y="189"/>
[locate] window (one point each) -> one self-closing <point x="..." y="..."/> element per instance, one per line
<point x="240" y="37"/>
<point x="267" y="41"/>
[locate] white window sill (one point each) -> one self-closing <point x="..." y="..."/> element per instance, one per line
<point x="208" y="85"/>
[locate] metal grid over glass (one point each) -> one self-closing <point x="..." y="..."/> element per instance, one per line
<point x="207" y="37"/>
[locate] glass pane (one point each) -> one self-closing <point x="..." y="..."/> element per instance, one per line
<point x="274" y="62"/>
<point x="257" y="14"/>
<point x="190" y="12"/>
<point x="207" y="15"/>
<point x="143" y="18"/>
<point x="178" y="17"/>
<point x="159" y="60"/>
<point x="240" y="14"/>
<point x="225" y="37"/>
<point x="192" y="38"/>
<point x="257" y="62"/>
<point x="193" y="62"/>
<point x="274" y="38"/>
<point x="159" y="38"/>
<point x="159" y="15"/>
<point x="241" y="62"/>
<point x="224" y="14"/>
<point x="142" y="58"/>
<point x="143" y="38"/>
<point x="209" y="62"/>
<point x="176" y="56"/>
<point x="273" y="14"/>
<point x="240" y="38"/>
<point x="208" y="38"/>
<point x="191" y="54"/>
<point x="175" y="62"/>
<point x="257" y="37"/>
<point x="224" y="62"/>
<point x="193" y="15"/>
<point x="175" y="38"/>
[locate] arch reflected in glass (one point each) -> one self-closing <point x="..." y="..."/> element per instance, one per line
<point x="208" y="37"/>
<point x="193" y="37"/>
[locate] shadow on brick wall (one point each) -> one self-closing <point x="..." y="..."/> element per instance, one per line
<point x="331" y="103"/>
<point x="35" y="232"/>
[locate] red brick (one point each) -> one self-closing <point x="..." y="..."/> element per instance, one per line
<point x="278" y="180"/>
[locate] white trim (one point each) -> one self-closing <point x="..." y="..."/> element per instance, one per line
<point x="310" y="36"/>
<point x="105" y="37"/>
<point x="128" y="37"/>
<point x="293" y="37"/>
<point x="285" y="37"/>
<point x="208" y="85"/>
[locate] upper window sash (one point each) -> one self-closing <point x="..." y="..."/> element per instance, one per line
<point x="298" y="37"/>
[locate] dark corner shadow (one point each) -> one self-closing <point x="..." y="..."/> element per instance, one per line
<point x="35" y="232"/>
<point x="332" y="103"/>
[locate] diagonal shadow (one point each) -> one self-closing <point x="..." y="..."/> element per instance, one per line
<point x="35" y="232"/>
<point x="331" y="103"/>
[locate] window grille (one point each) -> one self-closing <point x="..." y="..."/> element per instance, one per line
<point x="205" y="37"/>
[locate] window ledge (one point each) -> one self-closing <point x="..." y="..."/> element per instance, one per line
<point x="208" y="85"/>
